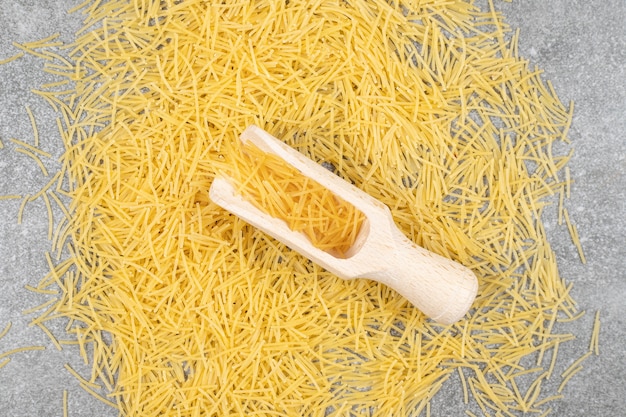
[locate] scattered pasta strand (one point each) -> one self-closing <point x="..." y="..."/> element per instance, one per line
<point x="19" y="350"/>
<point x="65" y="407"/>
<point x="35" y="158"/>
<point x="573" y="231"/>
<point x="12" y="58"/>
<point x="80" y="378"/>
<point x="31" y="117"/>
<point x="32" y="148"/>
<point x="10" y="197"/>
<point x="20" y="212"/>
<point x="594" y="344"/>
<point x="6" y="330"/>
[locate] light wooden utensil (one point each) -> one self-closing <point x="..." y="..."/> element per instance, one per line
<point x="441" y="288"/>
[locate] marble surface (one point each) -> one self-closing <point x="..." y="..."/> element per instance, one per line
<point x="581" y="46"/>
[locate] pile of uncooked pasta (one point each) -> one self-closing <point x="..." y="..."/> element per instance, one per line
<point x="189" y="311"/>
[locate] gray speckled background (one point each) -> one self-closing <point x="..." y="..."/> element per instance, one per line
<point x="581" y="46"/>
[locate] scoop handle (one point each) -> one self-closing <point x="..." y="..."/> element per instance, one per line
<point x="441" y="288"/>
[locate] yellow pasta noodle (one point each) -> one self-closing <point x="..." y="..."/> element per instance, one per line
<point x="20" y="212"/>
<point x="35" y="158"/>
<point x="573" y="231"/>
<point x="10" y="197"/>
<point x="6" y="330"/>
<point x="19" y="350"/>
<point x="65" y="408"/>
<point x="571" y="372"/>
<point x="594" y="345"/>
<point x="32" y="148"/>
<point x="80" y="378"/>
<point x="12" y="58"/>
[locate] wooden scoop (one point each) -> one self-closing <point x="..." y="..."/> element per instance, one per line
<point x="441" y="288"/>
